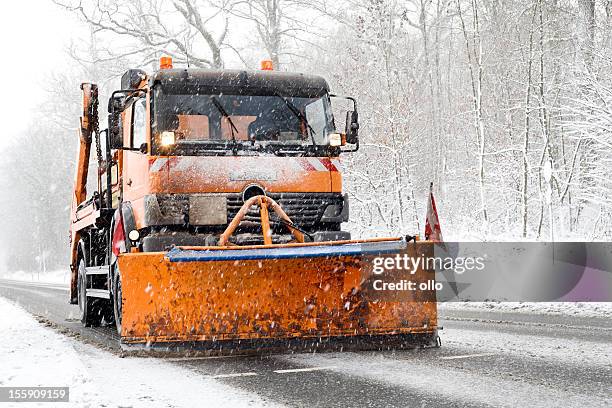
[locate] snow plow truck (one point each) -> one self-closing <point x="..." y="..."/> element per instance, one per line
<point x="216" y="221"/>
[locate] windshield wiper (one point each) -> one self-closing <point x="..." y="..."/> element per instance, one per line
<point x="278" y="150"/>
<point x="224" y="113"/>
<point x="298" y="114"/>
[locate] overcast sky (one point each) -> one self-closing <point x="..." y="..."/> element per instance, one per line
<point x="34" y="35"/>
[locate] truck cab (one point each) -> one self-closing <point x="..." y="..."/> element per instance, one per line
<point x="192" y="145"/>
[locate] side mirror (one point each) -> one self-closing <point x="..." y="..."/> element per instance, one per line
<point x="352" y="127"/>
<point x="132" y="78"/>
<point x="116" y="105"/>
<point x="117" y="102"/>
<point x="115" y="130"/>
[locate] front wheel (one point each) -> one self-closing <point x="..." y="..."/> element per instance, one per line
<point x="117" y="299"/>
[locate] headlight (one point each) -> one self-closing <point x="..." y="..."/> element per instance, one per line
<point x="335" y="139"/>
<point x="134" y="235"/>
<point x="167" y="139"/>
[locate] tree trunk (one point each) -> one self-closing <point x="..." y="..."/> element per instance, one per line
<point x="587" y="11"/>
<point x="525" y="175"/>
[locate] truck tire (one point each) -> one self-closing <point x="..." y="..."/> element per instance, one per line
<point x="107" y="312"/>
<point x="89" y="308"/>
<point x="117" y="298"/>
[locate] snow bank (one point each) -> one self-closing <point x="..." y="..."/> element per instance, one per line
<point x="35" y="356"/>
<point x="579" y="309"/>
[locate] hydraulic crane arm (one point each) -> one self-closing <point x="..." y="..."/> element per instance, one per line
<point x="88" y="125"/>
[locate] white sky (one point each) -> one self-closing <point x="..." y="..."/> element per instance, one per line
<point x="34" y="35"/>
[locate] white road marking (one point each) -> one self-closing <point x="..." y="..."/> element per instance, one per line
<point x="188" y="359"/>
<point x="466" y="356"/>
<point x="302" y="370"/>
<point x="232" y="375"/>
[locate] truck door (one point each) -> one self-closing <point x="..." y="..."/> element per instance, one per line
<point x="135" y="163"/>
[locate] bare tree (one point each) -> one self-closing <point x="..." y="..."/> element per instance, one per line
<point x="188" y="30"/>
<point x="527" y="129"/>
<point x="509" y="100"/>
<point x="474" y="50"/>
<point x="587" y="24"/>
<point x="279" y="24"/>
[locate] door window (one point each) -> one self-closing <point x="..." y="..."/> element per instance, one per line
<point x="139" y="128"/>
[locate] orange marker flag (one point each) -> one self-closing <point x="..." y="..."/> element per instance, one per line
<point x="432" y="222"/>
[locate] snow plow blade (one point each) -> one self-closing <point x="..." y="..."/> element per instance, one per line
<point x="252" y="296"/>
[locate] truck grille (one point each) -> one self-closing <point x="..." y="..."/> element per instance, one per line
<point x="171" y="204"/>
<point x="304" y="209"/>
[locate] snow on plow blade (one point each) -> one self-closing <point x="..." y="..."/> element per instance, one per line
<point x="276" y="292"/>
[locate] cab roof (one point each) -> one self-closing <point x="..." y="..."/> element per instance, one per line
<point x="240" y="82"/>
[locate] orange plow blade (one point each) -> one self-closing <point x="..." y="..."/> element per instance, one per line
<point x="276" y="292"/>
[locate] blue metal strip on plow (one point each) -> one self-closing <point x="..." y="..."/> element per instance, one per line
<point x="322" y="251"/>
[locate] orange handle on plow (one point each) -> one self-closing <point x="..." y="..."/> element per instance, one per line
<point x="263" y="202"/>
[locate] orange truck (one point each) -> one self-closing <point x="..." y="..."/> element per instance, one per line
<point x="218" y="212"/>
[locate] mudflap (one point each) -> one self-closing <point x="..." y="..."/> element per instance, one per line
<point x="285" y="297"/>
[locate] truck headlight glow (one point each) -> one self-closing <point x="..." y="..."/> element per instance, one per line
<point x="167" y="139"/>
<point x="335" y="139"/>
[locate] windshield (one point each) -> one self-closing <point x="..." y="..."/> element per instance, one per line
<point x="247" y="119"/>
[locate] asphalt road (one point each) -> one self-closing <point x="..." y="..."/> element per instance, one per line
<point x="486" y="359"/>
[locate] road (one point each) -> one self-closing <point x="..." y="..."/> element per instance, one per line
<point x="486" y="359"/>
